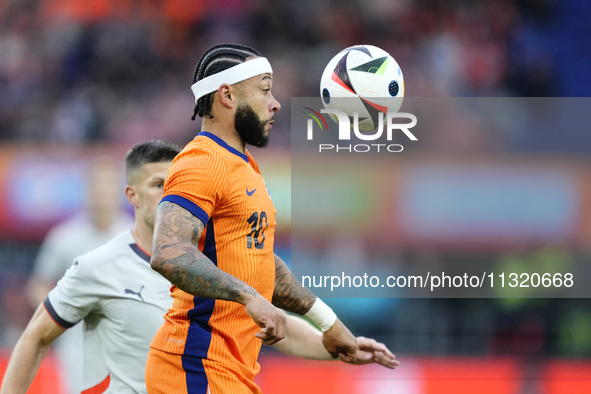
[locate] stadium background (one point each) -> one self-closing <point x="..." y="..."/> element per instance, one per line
<point x="83" y="79"/>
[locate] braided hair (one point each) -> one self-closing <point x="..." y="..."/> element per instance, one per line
<point x="217" y="59"/>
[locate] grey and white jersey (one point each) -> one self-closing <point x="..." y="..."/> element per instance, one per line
<point x="66" y="241"/>
<point x="122" y="302"/>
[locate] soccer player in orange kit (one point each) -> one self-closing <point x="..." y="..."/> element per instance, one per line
<point x="213" y="241"/>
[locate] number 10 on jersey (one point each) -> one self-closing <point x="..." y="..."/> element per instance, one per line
<point x="257" y="230"/>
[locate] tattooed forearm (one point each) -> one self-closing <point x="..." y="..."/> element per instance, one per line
<point x="289" y="293"/>
<point x="200" y="277"/>
<point x="175" y="256"/>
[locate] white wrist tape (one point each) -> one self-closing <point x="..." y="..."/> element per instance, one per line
<point x="230" y="76"/>
<point x="322" y="315"/>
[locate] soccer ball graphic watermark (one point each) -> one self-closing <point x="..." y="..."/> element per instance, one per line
<point x="362" y="88"/>
<point x="346" y="124"/>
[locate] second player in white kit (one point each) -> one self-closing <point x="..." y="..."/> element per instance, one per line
<point x="114" y="281"/>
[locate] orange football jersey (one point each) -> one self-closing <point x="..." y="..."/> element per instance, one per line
<point x="226" y="191"/>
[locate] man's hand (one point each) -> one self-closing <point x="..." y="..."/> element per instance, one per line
<point x="339" y="342"/>
<point x="270" y="319"/>
<point x="370" y="351"/>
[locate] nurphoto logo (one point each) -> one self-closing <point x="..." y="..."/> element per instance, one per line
<point x="345" y="127"/>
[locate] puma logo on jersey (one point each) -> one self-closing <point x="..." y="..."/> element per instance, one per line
<point x="139" y="293"/>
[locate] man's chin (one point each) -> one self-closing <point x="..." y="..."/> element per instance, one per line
<point x="263" y="142"/>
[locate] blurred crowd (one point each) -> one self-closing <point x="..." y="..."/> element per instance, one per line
<point x="120" y="71"/>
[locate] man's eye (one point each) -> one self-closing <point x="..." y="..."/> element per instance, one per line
<point x="266" y="90"/>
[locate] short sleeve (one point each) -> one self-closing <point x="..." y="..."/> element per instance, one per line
<point x="75" y="295"/>
<point x="196" y="182"/>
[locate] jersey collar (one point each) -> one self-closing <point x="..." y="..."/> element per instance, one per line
<point x="140" y="252"/>
<point x="223" y="144"/>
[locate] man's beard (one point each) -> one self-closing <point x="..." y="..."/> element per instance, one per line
<point x="249" y="126"/>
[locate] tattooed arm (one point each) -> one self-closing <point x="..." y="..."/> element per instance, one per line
<point x="176" y="257"/>
<point x="290" y="295"/>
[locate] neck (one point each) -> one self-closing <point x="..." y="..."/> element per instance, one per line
<point x="225" y="131"/>
<point x="143" y="236"/>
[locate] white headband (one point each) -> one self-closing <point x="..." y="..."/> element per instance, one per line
<point x="230" y="76"/>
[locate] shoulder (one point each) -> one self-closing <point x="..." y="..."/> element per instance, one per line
<point x="201" y="145"/>
<point x="200" y="159"/>
<point x="201" y="149"/>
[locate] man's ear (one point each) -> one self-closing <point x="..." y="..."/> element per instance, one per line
<point x="132" y="196"/>
<point x="227" y="96"/>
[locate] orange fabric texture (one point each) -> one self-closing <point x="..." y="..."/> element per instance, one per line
<point x="225" y="189"/>
<point x="165" y="373"/>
